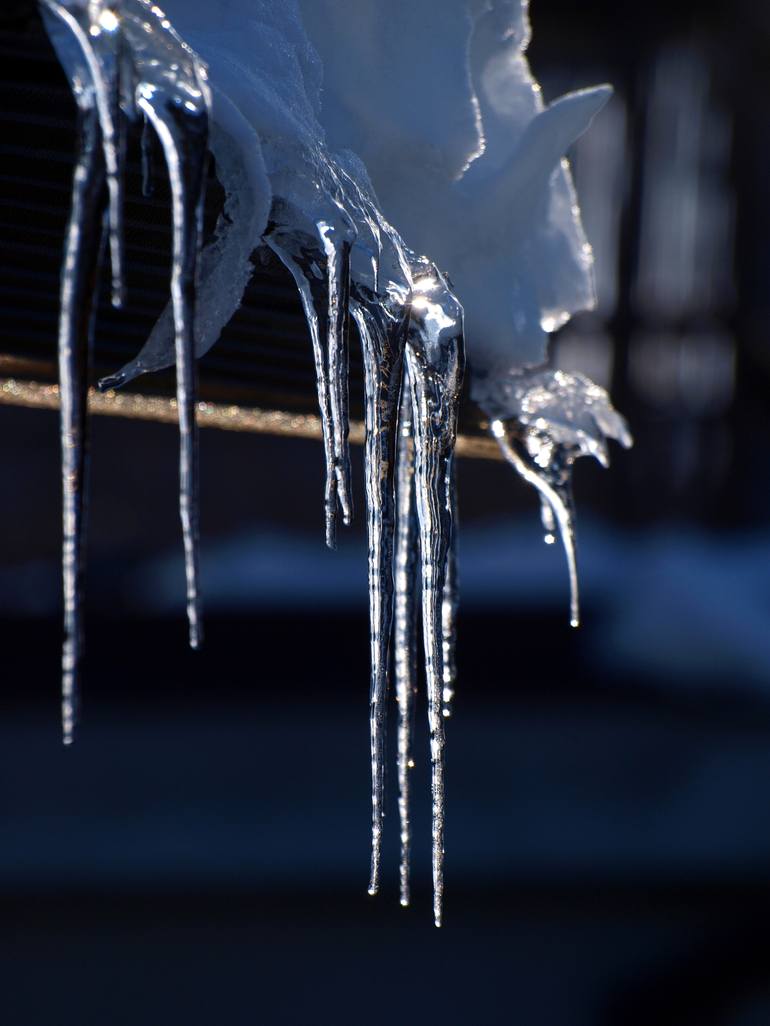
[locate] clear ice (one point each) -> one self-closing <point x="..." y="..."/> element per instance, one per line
<point x="486" y="192"/>
<point x="124" y="62"/>
<point x="543" y="421"/>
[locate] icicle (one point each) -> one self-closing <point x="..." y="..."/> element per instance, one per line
<point x="551" y="419"/>
<point x="296" y="252"/>
<point x="553" y="483"/>
<point x="405" y="630"/>
<point x="313" y="240"/>
<point x="80" y="271"/>
<point x="183" y="137"/>
<point x="449" y="608"/>
<point x="382" y="341"/>
<point x="435" y="362"/>
<point x="96" y="28"/>
<point x="115" y="159"/>
<point x="128" y="62"/>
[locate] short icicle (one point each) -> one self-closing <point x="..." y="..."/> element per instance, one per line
<point x="325" y="302"/>
<point x="80" y="269"/>
<point x="553" y="485"/>
<point x="382" y="342"/>
<point x="337" y="252"/>
<point x="405" y="627"/>
<point x="183" y="138"/>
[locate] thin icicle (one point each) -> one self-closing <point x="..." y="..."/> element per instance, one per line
<point x="382" y="341"/>
<point x="80" y="270"/>
<point x="115" y="158"/>
<point x="96" y="29"/>
<point x="337" y="251"/>
<point x="296" y="253"/>
<point x="315" y="247"/>
<point x="435" y="362"/>
<point x="122" y="63"/>
<point x="553" y="484"/>
<point x="449" y="608"/>
<point x="405" y="628"/>
<point x="183" y="137"/>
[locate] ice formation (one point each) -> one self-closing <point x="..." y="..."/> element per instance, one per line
<point x="485" y="192"/>
<point x="132" y="65"/>
<point x="544" y="420"/>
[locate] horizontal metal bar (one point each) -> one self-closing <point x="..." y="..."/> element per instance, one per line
<point x="225" y="416"/>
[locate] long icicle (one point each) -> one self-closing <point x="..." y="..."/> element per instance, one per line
<point x="80" y="271"/>
<point x="382" y="341"/>
<point x="405" y="628"/>
<point x="183" y="137"/>
<point x="435" y="364"/>
<point x="435" y="527"/>
<point x="296" y="253"/>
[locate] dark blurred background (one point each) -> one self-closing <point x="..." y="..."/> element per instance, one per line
<point x="201" y="854"/>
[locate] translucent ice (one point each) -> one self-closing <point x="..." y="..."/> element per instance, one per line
<point x="543" y="421"/>
<point x="124" y="62"/>
<point x="485" y="191"/>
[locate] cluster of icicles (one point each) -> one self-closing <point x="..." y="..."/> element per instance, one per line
<point x="347" y="262"/>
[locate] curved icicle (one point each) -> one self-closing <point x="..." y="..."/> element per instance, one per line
<point x="183" y="138"/>
<point x="382" y="341"/>
<point x="80" y="269"/>
<point x="405" y="629"/>
<point x="553" y="485"/>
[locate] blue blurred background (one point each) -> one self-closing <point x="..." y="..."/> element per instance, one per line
<point x="201" y="854"/>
